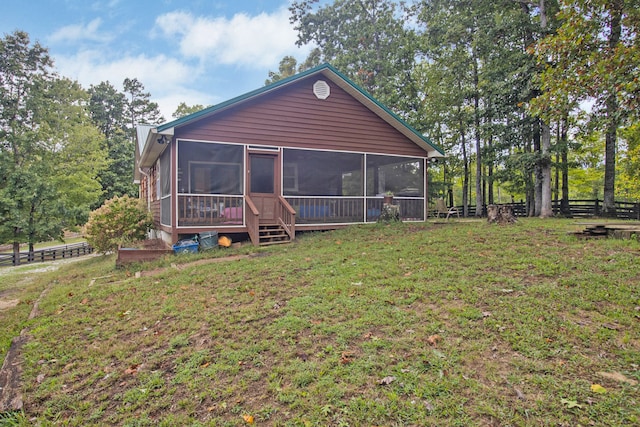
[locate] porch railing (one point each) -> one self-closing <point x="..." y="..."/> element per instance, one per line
<point x="253" y="220"/>
<point x="328" y="210"/>
<point x="210" y="210"/>
<point x="206" y="210"/>
<point x="287" y="217"/>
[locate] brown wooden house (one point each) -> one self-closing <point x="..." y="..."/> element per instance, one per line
<point x="310" y="152"/>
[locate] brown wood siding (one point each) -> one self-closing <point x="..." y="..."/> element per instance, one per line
<point x="293" y="117"/>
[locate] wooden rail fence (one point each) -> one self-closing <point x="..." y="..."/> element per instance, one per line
<point x="48" y="254"/>
<point x="579" y="208"/>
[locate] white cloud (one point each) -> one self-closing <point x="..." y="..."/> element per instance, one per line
<point x="80" y="32"/>
<point x="163" y="77"/>
<point x="196" y="55"/>
<point x="255" y="41"/>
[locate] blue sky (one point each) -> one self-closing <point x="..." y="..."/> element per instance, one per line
<point x="198" y="51"/>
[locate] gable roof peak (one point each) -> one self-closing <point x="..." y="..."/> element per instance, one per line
<point x="330" y="73"/>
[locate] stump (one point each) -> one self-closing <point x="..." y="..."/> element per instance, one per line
<point x="389" y="213"/>
<point x="501" y="214"/>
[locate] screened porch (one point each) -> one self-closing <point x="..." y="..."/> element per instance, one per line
<point x="323" y="187"/>
<point x="329" y="187"/>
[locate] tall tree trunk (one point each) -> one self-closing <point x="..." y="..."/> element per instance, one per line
<point x="609" y="205"/>
<point x="537" y="172"/>
<point x="556" y="181"/>
<point x="476" y="115"/>
<point x="546" y="209"/>
<point x="491" y="195"/>
<point x="465" y="161"/>
<point x="16" y="253"/>
<point x="564" y="204"/>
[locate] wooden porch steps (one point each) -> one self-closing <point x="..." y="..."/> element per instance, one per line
<point x="273" y="234"/>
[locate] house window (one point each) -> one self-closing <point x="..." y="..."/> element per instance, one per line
<point x="290" y="177"/>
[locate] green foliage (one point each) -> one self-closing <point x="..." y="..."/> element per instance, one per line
<point x="183" y="110"/>
<point x="79" y="157"/>
<point x="629" y="162"/>
<point x="49" y="151"/>
<point x="476" y="81"/>
<point x="593" y="57"/>
<point x="116" y="115"/>
<point x="120" y="220"/>
<point x="367" y="40"/>
<point x="287" y="68"/>
<point x="140" y="108"/>
<point x="30" y="207"/>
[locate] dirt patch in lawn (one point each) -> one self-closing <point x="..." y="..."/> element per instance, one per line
<point x="4" y="304"/>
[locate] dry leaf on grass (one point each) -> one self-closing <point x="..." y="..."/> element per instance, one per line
<point x="570" y="403"/>
<point x="132" y="370"/>
<point x="347" y="357"/>
<point x="434" y="340"/>
<point x="387" y="380"/>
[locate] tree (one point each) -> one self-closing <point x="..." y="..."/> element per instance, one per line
<point x="184" y="110"/>
<point x="460" y="38"/>
<point x="49" y="150"/>
<point x="77" y="154"/>
<point x="139" y="106"/>
<point x="287" y="68"/>
<point x="107" y="107"/>
<point x="367" y="40"/>
<point x="629" y="162"/>
<point x="24" y="191"/>
<point x="543" y="202"/>
<point x="593" y="57"/>
<point x="108" y="112"/>
<point x="116" y="116"/>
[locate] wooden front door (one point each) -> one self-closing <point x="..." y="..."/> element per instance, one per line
<point x="263" y="185"/>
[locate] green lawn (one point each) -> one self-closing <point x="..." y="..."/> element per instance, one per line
<point x="456" y="324"/>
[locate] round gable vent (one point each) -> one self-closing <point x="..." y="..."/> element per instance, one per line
<point x="321" y="89"/>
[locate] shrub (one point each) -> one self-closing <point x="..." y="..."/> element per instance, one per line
<point x="119" y="220"/>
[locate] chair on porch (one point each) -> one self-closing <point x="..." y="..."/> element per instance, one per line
<point x="441" y="208"/>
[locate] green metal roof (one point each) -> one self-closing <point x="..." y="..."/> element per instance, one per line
<point x="346" y="84"/>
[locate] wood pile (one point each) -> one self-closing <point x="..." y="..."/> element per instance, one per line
<point x="602" y="230"/>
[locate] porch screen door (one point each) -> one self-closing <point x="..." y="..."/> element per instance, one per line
<point x="263" y="185"/>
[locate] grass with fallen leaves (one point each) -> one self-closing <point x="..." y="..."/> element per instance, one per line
<point x="448" y="324"/>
